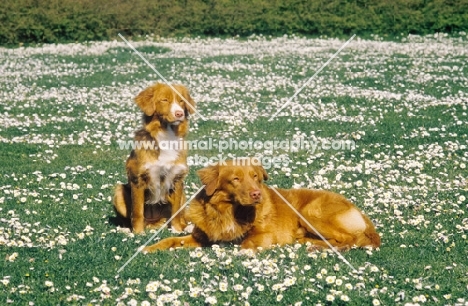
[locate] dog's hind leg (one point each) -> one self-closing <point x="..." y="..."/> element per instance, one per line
<point x="334" y="235"/>
<point x="370" y="237"/>
<point x="319" y="244"/>
<point x="122" y="200"/>
<point x="122" y="204"/>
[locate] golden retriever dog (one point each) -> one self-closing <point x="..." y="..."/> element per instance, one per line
<point x="158" y="164"/>
<point x="236" y="206"/>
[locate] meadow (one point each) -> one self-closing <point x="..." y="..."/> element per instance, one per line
<point x="64" y="109"/>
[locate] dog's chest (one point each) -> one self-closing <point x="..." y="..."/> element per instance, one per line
<point x="169" y="147"/>
<point x="232" y="225"/>
<point x="163" y="171"/>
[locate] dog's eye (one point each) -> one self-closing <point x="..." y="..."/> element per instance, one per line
<point x="164" y="100"/>
<point x="236" y="179"/>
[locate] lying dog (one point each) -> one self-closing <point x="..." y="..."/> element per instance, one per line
<point x="236" y="206"/>
<point x="157" y="167"/>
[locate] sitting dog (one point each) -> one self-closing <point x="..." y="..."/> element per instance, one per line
<point x="158" y="164"/>
<point x="236" y="206"/>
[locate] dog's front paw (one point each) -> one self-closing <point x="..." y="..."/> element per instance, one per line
<point x="178" y="225"/>
<point x="161" y="245"/>
<point x="138" y="225"/>
<point x="149" y="249"/>
<point x="173" y="242"/>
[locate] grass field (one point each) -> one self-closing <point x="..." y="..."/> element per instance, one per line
<point x="64" y="108"/>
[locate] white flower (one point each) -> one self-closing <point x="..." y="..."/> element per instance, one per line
<point x="330" y="279"/>
<point x="5" y="281"/>
<point x="279" y="297"/>
<point x="12" y="257"/>
<point x="48" y="284"/>
<point x="288" y="282"/>
<point x="344" y="297"/>
<point x="195" y="292"/>
<point x="223" y="286"/>
<point x="132" y="302"/>
<point x="211" y="300"/>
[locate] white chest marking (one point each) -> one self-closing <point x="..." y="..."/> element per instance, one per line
<point x="163" y="171"/>
<point x="169" y="147"/>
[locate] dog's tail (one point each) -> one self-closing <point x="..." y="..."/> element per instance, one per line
<point x="122" y="200"/>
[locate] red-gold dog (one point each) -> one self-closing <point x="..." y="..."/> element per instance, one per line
<point x="236" y="206"/>
<point x="155" y="172"/>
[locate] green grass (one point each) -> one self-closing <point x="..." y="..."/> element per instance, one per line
<point x="62" y="116"/>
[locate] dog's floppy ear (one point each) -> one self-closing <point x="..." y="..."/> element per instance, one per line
<point x="257" y="165"/>
<point x="261" y="172"/>
<point x="210" y="178"/>
<point x="144" y="100"/>
<point x="190" y="106"/>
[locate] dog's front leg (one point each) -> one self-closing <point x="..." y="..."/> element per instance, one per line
<point x="255" y="240"/>
<point x="173" y="242"/>
<point x="177" y="200"/>
<point x="138" y="202"/>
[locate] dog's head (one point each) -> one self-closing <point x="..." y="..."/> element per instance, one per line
<point x="235" y="182"/>
<point x="172" y="104"/>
